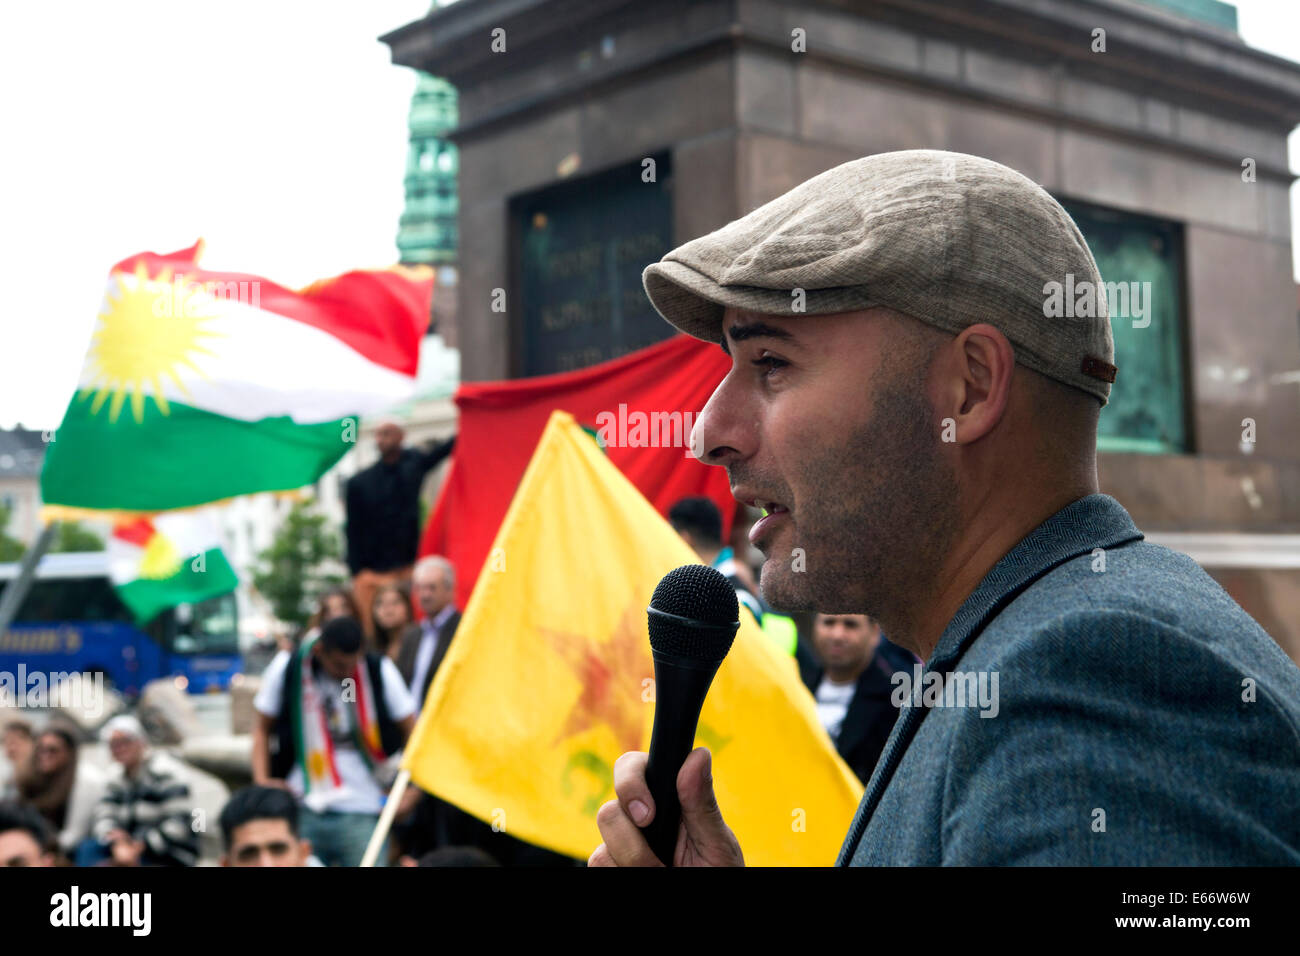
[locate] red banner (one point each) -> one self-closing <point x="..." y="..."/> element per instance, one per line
<point x="642" y="405"/>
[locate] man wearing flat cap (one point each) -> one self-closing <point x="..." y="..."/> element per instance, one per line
<point x="910" y="414"/>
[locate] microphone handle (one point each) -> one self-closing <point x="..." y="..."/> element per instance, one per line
<point x="681" y="685"/>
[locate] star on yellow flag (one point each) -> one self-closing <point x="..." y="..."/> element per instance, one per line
<point x="549" y="679"/>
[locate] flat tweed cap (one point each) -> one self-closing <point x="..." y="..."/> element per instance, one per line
<point x="947" y="238"/>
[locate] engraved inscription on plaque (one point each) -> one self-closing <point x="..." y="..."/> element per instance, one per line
<point x="581" y="249"/>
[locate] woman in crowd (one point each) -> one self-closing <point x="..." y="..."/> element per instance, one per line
<point x="64" y="789"/>
<point x="392" y="616"/>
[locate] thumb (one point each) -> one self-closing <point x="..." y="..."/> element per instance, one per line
<point x="700" y="812"/>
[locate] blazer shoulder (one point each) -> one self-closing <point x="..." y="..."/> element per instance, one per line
<point x="1145" y="661"/>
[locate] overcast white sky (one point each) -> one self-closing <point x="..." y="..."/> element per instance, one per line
<point x="274" y="129"/>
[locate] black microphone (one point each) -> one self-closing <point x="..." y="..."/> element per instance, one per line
<point x="693" y="619"/>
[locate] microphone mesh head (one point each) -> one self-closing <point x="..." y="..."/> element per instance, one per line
<point x="700" y="594"/>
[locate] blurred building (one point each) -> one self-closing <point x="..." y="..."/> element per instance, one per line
<point x="593" y="137"/>
<point x="22" y="450"/>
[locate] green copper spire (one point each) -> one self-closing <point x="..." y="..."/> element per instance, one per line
<point x="427" y="230"/>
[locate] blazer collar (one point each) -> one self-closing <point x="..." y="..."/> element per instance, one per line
<point x="1095" y="521"/>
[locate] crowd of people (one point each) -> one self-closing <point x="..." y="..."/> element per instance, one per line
<point x="317" y="807"/>
<point x="336" y="706"/>
<point x="138" y="814"/>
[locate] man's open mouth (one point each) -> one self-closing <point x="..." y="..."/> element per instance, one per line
<point x="773" y="514"/>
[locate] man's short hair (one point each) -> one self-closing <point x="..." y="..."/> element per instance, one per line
<point x="458" y="856"/>
<point x="436" y="561"/>
<point x="17" y="816"/>
<point x="124" y="724"/>
<point x="699" y="516"/>
<point x="342" y="634"/>
<point x="258" y="803"/>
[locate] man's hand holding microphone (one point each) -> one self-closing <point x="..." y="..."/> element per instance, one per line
<point x="666" y="813"/>
<point x="703" y="839"/>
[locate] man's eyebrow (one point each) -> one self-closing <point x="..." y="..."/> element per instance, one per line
<point x="753" y="330"/>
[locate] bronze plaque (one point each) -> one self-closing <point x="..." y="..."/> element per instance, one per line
<point x="580" y="249"/>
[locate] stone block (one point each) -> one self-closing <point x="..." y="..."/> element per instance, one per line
<point x="1101" y="103"/>
<point x="1004" y="76"/>
<point x="1242" y="304"/>
<point x="765" y="91"/>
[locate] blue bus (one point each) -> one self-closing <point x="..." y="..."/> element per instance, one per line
<point x="72" y="620"/>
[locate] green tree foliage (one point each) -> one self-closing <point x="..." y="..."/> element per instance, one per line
<point x="71" y="536"/>
<point x="11" y="549"/>
<point x="290" y="572"/>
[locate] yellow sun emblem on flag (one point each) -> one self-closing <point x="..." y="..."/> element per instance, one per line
<point x="160" y="558"/>
<point x="316" y="764"/>
<point x="149" y="327"/>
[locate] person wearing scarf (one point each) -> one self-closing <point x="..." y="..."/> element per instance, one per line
<point x="329" y="715"/>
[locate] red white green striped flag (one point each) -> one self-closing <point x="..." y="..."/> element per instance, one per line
<point x="199" y="386"/>
<point x="168" y="560"/>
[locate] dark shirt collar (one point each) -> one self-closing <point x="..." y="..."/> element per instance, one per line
<point x="1094" y="521"/>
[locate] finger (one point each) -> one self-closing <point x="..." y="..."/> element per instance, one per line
<point x="700" y="812"/>
<point x="624" y="841"/>
<point x="600" y="857"/>
<point x="631" y="787"/>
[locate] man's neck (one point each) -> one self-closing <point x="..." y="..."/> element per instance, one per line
<point x="996" y="525"/>
<point x="391" y="457"/>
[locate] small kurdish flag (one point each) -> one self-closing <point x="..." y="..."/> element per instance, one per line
<point x="200" y="385"/>
<point x="170" y="559"/>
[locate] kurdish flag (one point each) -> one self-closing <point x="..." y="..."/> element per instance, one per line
<point x="167" y="560"/>
<point x="549" y="679"/>
<point x="199" y="386"/>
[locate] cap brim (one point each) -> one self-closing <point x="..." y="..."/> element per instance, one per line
<point x="694" y="303"/>
<point x="690" y="301"/>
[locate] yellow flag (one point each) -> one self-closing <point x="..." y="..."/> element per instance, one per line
<point x="550" y="679"/>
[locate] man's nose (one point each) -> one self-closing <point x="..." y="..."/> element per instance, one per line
<point x="726" y="429"/>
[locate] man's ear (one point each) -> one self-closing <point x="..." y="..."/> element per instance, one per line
<point x="223" y="860"/>
<point x="977" y="381"/>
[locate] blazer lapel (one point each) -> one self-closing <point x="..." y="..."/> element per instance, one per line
<point x="445" y="634"/>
